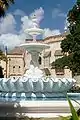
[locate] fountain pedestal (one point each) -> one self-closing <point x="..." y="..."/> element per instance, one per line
<point x="34" y="56"/>
<point x="35" y="49"/>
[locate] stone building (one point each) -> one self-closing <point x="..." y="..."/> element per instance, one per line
<point x="19" y="59"/>
<point x="53" y="53"/>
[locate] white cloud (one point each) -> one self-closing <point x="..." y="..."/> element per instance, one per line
<point x="26" y="23"/>
<point x="8" y="24"/>
<point x="10" y="37"/>
<point x="66" y="24"/>
<point x="56" y="12"/>
<point x="19" y="12"/>
<point x="10" y="40"/>
<point x="48" y="32"/>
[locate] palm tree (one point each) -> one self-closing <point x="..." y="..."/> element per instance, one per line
<point x="4" y="5"/>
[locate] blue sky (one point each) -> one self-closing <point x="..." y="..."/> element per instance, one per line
<point x="52" y="9"/>
<point x="12" y="26"/>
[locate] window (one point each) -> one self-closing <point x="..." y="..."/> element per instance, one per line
<point x="58" y="54"/>
<point x="13" y="69"/>
<point x="13" y="66"/>
<point x="39" y="60"/>
<point x="9" y="59"/>
<point x="59" y="71"/>
<point x="19" y="69"/>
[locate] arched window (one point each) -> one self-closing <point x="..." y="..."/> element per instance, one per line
<point x="40" y="60"/>
<point x="1" y="72"/>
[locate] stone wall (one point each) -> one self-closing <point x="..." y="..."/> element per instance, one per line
<point x="15" y="65"/>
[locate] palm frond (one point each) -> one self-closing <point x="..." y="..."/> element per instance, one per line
<point x="4" y="5"/>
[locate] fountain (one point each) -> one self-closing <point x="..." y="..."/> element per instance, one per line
<point x="34" y="81"/>
<point x="49" y="85"/>
<point x="34" y="85"/>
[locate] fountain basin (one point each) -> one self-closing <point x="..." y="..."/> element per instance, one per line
<point x="34" y="31"/>
<point x="33" y="85"/>
<point x="34" y="46"/>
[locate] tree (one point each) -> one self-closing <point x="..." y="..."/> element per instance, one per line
<point x="4" y="5"/>
<point x="1" y="72"/>
<point x="71" y="44"/>
<point x="2" y="57"/>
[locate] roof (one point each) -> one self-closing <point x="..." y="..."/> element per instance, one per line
<point x="58" y="53"/>
<point x="17" y="51"/>
<point x="31" y="40"/>
<point x="56" y="38"/>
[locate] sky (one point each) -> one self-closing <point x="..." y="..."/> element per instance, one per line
<point x="52" y="15"/>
